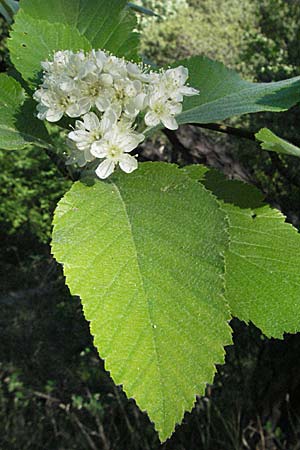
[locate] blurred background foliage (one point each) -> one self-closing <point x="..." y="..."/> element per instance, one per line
<point x="54" y="391"/>
<point x="31" y="187"/>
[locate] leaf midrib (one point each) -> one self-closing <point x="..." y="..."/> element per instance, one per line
<point x="148" y="304"/>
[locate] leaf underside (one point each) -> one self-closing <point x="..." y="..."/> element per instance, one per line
<point x="263" y="260"/>
<point x="144" y="253"/>
<point x="223" y="93"/>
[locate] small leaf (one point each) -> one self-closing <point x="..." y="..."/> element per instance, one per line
<point x="223" y="93"/>
<point x="271" y="142"/>
<point x="17" y="129"/>
<point x="263" y="260"/>
<point x="8" y="8"/>
<point x="144" y="253"/>
<point x="142" y="10"/>
<point x="33" y="41"/>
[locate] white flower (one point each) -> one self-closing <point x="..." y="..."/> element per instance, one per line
<point x="57" y="66"/>
<point x="116" y="67"/>
<point x="136" y="72"/>
<point x="173" y="82"/>
<point x="166" y="92"/>
<point x="130" y="96"/>
<point x="162" y="110"/>
<point x="67" y="69"/>
<point x="96" y="90"/>
<point x="100" y="58"/>
<point x="91" y="130"/>
<point x="77" y="156"/>
<point x="114" y="147"/>
<point x="54" y="103"/>
<point x="76" y="70"/>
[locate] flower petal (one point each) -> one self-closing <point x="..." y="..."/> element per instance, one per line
<point x="169" y="122"/>
<point x="175" y="108"/>
<point x="188" y="91"/>
<point x="54" y="115"/>
<point x="106" y="79"/>
<point x="91" y="121"/>
<point x="75" y="110"/>
<point x="128" y="163"/>
<point x="151" y="119"/>
<point x="105" y="169"/>
<point x="77" y="135"/>
<point x="109" y="119"/>
<point x="99" y="149"/>
<point x="102" y="103"/>
<point x="179" y="75"/>
<point x="129" y="142"/>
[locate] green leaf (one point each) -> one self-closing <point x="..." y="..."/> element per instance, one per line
<point x="271" y="142"/>
<point x="105" y="24"/>
<point x="18" y="129"/>
<point x="33" y="41"/>
<point x="223" y="93"/>
<point x="144" y="253"/>
<point x="263" y="260"/>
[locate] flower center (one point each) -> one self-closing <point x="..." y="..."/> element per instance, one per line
<point x="120" y="94"/>
<point x="159" y="109"/>
<point x="114" y="152"/>
<point x="95" y="135"/>
<point x="94" y="90"/>
<point x="64" y="102"/>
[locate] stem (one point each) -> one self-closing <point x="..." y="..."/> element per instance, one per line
<point x="239" y="132"/>
<point x="61" y="166"/>
<point x="250" y="136"/>
<point x="178" y="148"/>
<point x="180" y="151"/>
<point x="221" y="128"/>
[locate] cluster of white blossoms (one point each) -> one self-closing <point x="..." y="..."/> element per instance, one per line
<point x="113" y="98"/>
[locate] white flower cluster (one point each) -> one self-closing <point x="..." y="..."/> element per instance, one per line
<point x="112" y="97"/>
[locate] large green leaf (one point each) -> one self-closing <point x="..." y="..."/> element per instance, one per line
<point x="270" y="141"/>
<point x="223" y="93"/>
<point x="105" y="24"/>
<point x="42" y="27"/>
<point x="263" y="260"/>
<point x="16" y="129"/>
<point x="33" y="41"/>
<point x="144" y="253"/>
